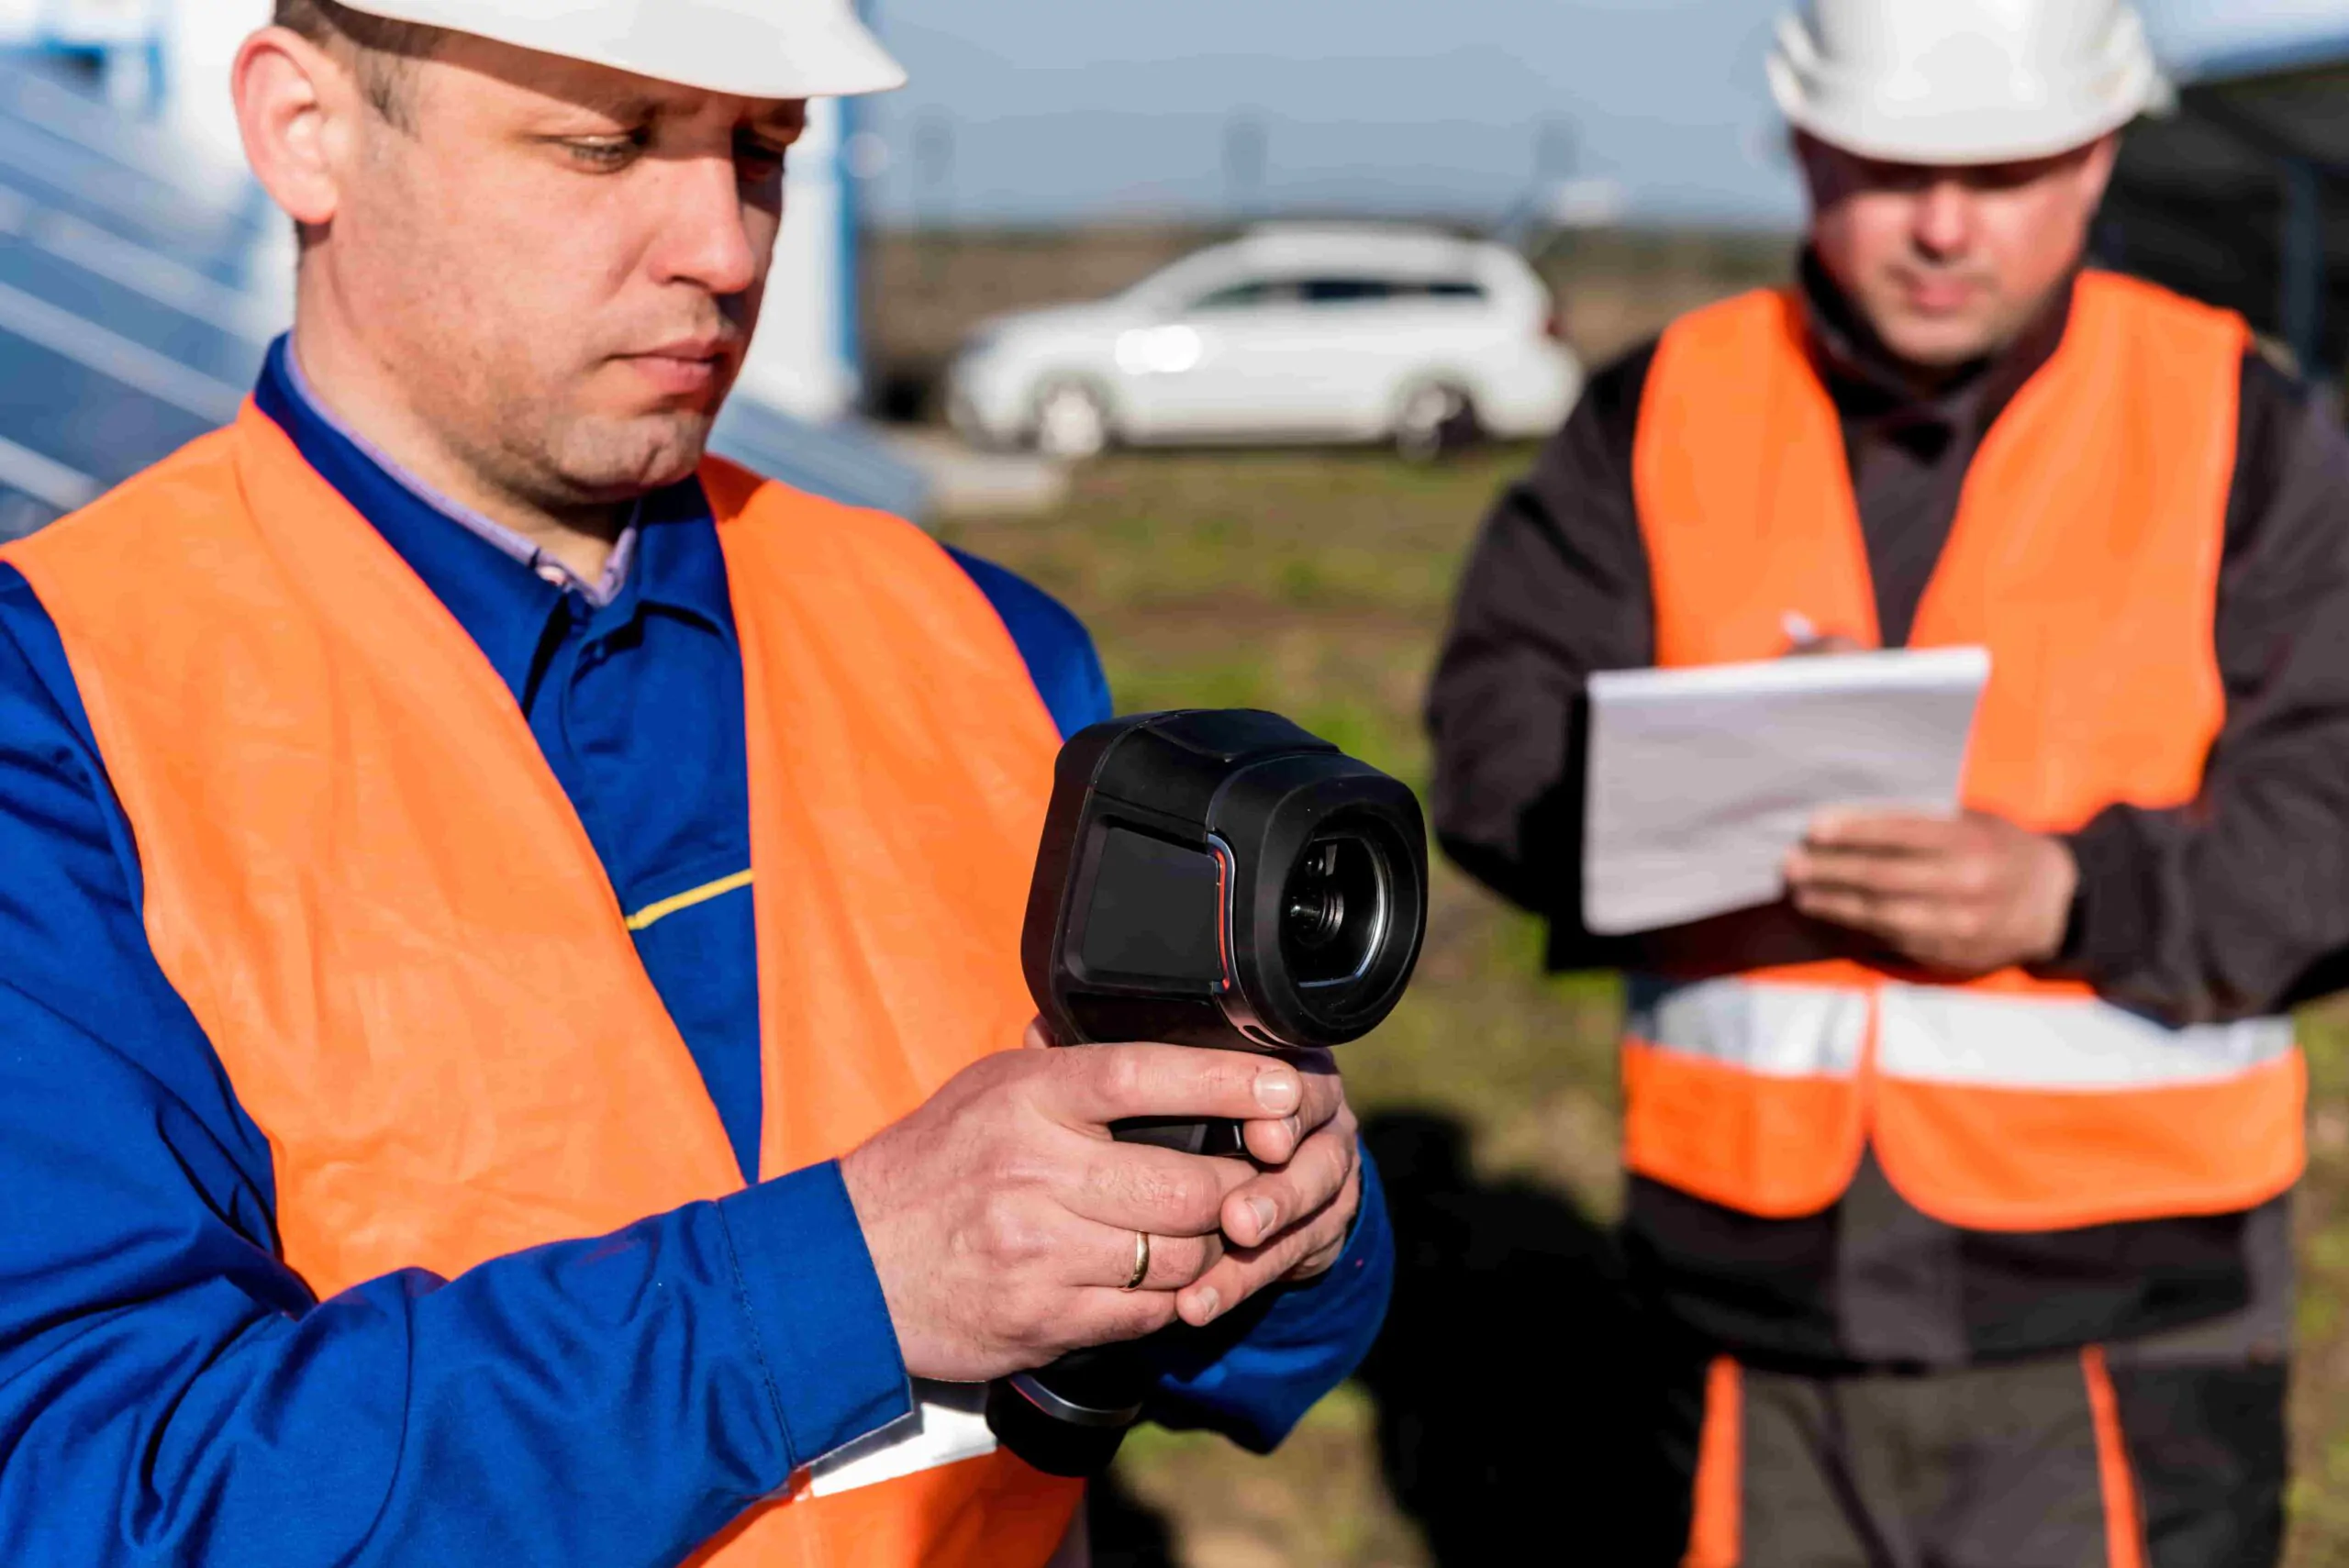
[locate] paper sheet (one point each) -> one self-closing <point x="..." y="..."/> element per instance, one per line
<point x="1702" y="779"/>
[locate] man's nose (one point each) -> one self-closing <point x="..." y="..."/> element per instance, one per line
<point x="707" y="238"/>
<point x="1944" y="223"/>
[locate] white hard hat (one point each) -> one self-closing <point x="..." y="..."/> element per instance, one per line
<point x="754" y="48"/>
<point x="1948" y="82"/>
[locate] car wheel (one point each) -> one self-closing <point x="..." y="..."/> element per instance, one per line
<point x="1433" y="418"/>
<point x="1072" y="422"/>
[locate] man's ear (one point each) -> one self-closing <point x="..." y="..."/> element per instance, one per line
<point x="2096" y="169"/>
<point x="1826" y="173"/>
<point x="297" y="108"/>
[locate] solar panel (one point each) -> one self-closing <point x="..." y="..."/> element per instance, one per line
<point x="35" y="491"/>
<point x="75" y="155"/>
<point x="44" y="261"/>
<point x="839" y="462"/>
<point x="2242" y="197"/>
<point x="125" y="325"/>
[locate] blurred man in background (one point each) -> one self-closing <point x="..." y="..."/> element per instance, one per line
<point x="1963" y="1172"/>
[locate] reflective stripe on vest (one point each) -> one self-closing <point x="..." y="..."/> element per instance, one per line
<point x="2085" y="555"/>
<point x="1941" y="1034"/>
<point x="371" y="891"/>
<point x="1777" y="1031"/>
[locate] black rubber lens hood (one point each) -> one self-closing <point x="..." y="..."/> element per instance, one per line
<point x="1157" y="911"/>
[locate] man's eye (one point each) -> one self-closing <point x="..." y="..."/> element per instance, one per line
<point x="759" y="159"/>
<point x="606" y="153"/>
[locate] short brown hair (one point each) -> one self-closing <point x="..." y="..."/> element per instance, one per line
<point x="382" y="52"/>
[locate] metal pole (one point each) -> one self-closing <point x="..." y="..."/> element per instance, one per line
<point x="848" y="332"/>
<point x="2304" y="281"/>
<point x="1246" y="157"/>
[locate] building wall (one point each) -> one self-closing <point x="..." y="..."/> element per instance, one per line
<point x="804" y="359"/>
<point x="201" y="38"/>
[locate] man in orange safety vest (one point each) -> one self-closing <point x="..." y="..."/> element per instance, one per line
<point x="510" y="1001"/>
<point x="1962" y="1170"/>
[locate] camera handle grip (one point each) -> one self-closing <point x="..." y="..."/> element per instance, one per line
<point x="1069" y="1419"/>
<point x="1216" y="1137"/>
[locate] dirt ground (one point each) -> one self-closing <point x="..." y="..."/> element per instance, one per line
<point x="1316" y="585"/>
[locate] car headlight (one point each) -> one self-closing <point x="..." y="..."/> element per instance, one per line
<point x="1160" y="351"/>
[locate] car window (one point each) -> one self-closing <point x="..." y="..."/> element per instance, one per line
<point x="1346" y="290"/>
<point x="1334" y="289"/>
<point x="1242" y="297"/>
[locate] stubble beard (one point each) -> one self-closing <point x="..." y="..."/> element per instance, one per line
<point x="604" y="460"/>
<point x="566" y="463"/>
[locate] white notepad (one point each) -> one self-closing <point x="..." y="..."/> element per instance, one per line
<point x="1702" y="779"/>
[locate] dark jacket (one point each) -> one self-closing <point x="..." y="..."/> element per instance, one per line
<point x="2235" y="904"/>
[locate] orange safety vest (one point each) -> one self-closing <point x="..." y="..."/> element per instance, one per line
<point x="367" y="884"/>
<point x="2085" y="557"/>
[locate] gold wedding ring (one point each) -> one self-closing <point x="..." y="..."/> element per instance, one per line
<point x="1141" y="1261"/>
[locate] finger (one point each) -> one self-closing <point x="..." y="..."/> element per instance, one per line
<point x="1269" y="1203"/>
<point x="1853" y="907"/>
<point x="1038" y="1036"/>
<point x="1106" y="1316"/>
<point x="1868" y="872"/>
<point x="1272" y="1143"/>
<point x="1325" y="1258"/>
<point x="1243" y="1271"/>
<point x="1910" y="833"/>
<point x="1901" y="922"/>
<point x="1139" y="1186"/>
<point x="1093" y="1085"/>
<point x="1319" y="1262"/>
<point x="1815" y="647"/>
<point x="1276" y="1142"/>
<point x="1932" y="934"/>
<point x="1106" y="1256"/>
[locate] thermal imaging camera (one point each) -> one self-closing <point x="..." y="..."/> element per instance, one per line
<point x="1220" y="879"/>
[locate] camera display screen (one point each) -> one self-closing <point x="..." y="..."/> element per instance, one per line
<point x="1155" y="913"/>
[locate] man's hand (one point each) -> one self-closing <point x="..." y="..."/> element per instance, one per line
<point x="1001" y="1217"/>
<point x="1967" y="894"/>
<point x="1292" y="1221"/>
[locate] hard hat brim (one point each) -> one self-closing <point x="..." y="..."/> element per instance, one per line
<point x="1955" y="140"/>
<point x="1995" y="118"/>
<point x="715" y="45"/>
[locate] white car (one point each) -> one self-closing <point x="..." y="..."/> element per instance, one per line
<point x="1291" y="333"/>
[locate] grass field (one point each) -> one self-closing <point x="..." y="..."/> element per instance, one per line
<point x="1318" y="585"/>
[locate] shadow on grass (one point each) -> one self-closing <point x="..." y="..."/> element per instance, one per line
<point x="1526" y="1412"/>
<point x="1126" y="1532"/>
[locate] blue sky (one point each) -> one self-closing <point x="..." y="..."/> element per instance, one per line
<point x="1055" y="109"/>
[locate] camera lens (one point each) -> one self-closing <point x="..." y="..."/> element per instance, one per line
<point x="1316" y="915"/>
<point x="1334" y="909"/>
